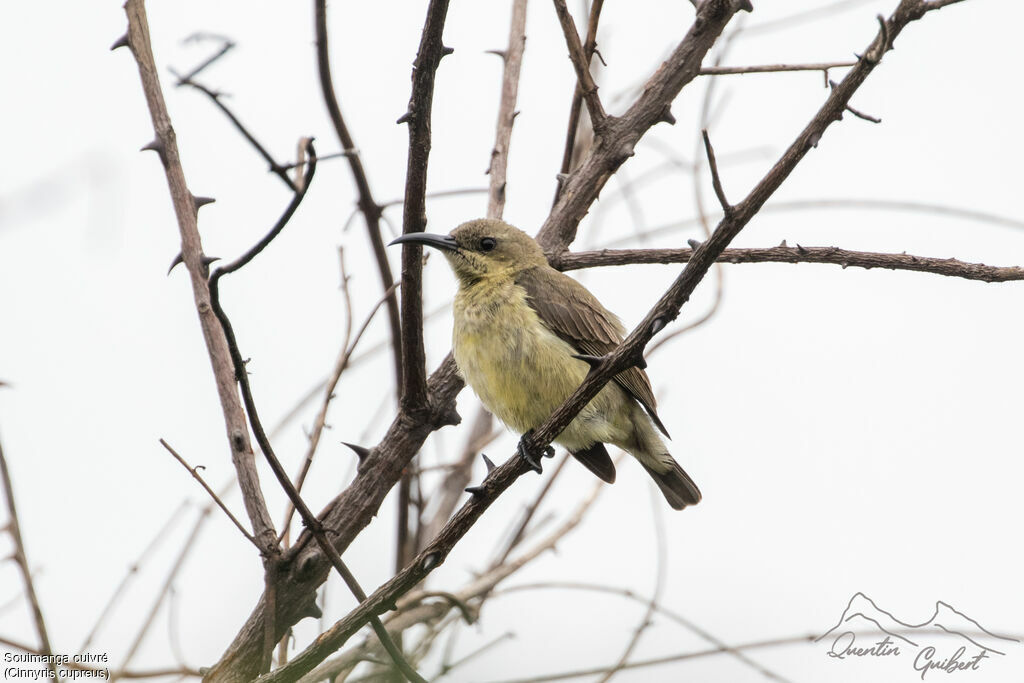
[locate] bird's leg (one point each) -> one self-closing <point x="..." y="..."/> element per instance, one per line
<point x="525" y="451"/>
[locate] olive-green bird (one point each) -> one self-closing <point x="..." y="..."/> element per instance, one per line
<point x="519" y="325"/>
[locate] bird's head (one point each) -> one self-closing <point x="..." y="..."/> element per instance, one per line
<point x="482" y="249"/>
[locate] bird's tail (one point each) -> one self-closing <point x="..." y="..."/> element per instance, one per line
<point x="675" y="484"/>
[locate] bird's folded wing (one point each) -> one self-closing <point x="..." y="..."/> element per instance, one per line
<point x="569" y="310"/>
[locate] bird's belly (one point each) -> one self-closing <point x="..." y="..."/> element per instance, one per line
<point x="520" y="370"/>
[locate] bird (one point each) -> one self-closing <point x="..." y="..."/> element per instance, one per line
<point x="522" y="335"/>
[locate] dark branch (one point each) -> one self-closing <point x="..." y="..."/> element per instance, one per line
<point x="414" y="217"/>
<point x="798" y="254"/>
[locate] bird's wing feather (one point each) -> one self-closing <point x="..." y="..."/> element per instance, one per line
<point x="577" y="317"/>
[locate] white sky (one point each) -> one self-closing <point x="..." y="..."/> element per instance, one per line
<point x="850" y="430"/>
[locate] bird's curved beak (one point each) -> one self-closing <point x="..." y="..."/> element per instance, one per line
<point x="442" y="242"/>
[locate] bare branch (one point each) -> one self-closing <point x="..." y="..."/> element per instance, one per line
<point x="577" y="97"/>
<point x="414" y="217"/>
<point x="716" y="181"/>
<point x="194" y="471"/>
<point x="581" y="62"/>
<point x="772" y="68"/>
<point x="513" y="60"/>
<point x="798" y="254"/>
<point x="192" y="254"/>
<point x="582" y="187"/>
<point x="21" y="559"/>
<point x="277" y="169"/>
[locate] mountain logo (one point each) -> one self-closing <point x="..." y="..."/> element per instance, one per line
<point x="949" y="641"/>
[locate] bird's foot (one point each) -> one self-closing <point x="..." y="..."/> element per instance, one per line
<point x="526" y="451"/>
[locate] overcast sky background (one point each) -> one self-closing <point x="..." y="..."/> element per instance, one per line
<point x="850" y="430"/>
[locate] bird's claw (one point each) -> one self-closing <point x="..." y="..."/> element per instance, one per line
<point x="524" y="452"/>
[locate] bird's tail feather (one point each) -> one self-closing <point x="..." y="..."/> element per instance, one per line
<point x="676" y="485"/>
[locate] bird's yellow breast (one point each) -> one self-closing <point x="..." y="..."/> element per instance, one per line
<point x="520" y="369"/>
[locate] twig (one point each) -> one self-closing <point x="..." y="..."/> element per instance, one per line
<point x="582" y="187"/>
<point x="581" y="63"/>
<point x="321" y="419"/>
<point x="277" y="169"/>
<point x="179" y="563"/>
<point x="286" y="216"/>
<point x="772" y="68"/>
<point x="657" y="511"/>
<point x="576" y="107"/>
<point x="798" y="254"/>
<point x="658" y="608"/>
<point x="194" y="471"/>
<point x="716" y="181"/>
<point x="185" y="209"/>
<point x="520" y="529"/>
<point x="21" y="559"/>
<point x="513" y="60"/>
<point x="226" y="46"/>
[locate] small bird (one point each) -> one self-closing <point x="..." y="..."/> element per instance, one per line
<point x="520" y="329"/>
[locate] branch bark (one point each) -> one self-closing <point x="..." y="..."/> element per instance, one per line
<point x="615" y="145"/>
<point x="414" y="217"/>
<point x="186" y="211"/>
<point x="785" y="254"/>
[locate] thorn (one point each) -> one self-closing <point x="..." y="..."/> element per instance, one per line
<point x="360" y="451"/>
<point x="207" y="260"/>
<point x="549" y="451"/>
<point x="499" y="53"/>
<point x="475" y="491"/>
<point x="783" y="244"/>
<point x="641" y="363"/>
<point x="515" y="114"/>
<point x="657" y="325"/>
<point x="597" y="53"/>
<point x="177" y="259"/>
<point x="694" y="244"/>
<point x="200" y="202"/>
<point x="561" y="178"/>
<point x="120" y="42"/>
<point x="744" y="5"/>
<point x="593" y="361"/>
<point x="802" y="250"/>
<point x="487" y="461"/>
<point x="666" y="116"/>
<point x="445" y="50"/>
<point x="405" y="118"/>
<point x="155" y="146"/>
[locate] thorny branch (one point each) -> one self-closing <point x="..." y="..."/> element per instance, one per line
<point x="581" y="63"/>
<point x="13" y="527"/>
<point x="797" y="254"/>
<point x="575" y="109"/>
<point x="621" y="134"/>
<point x="186" y="210"/>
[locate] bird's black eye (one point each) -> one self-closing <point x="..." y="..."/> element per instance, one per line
<point x="488" y="244"/>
